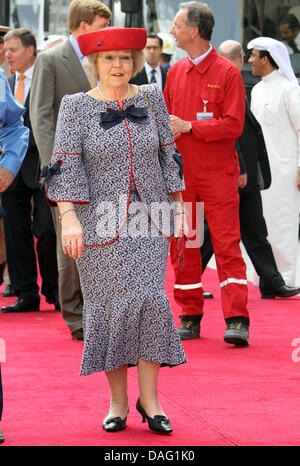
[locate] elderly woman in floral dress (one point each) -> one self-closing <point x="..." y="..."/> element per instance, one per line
<point x="115" y="197"/>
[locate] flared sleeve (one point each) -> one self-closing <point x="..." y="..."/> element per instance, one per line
<point x="65" y="177"/>
<point x="170" y="159"/>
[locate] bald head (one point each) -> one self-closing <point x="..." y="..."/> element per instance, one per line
<point x="233" y="51"/>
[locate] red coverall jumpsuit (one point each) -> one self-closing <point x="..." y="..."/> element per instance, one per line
<point x="211" y="173"/>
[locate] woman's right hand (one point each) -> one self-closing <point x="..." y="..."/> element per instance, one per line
<point x="71" y="235"/>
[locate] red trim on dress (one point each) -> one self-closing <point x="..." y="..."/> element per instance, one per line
<point x="174" y="192"/>
<point x="65" y="200"/>
<point x="128" y="202"/>
<point x="168" y="144"/>
<point x="131" y="175"/>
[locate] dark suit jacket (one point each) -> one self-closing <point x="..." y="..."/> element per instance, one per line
<point x="141" y="78"/>
<point x="30" y="167"/>
<point x="253" y="155"/>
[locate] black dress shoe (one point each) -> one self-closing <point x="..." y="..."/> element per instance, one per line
<point x="8" y="291"/>
<point x="157" y="423"/>
<point x="23" y="305"/>
<point x="53" y="298"/>
<point x="284" y="291"/>
<point x="189" y="329"/>
<point x="1" y="436"/>
<point x="114" y="424"/>
<point x="237" y="333"/>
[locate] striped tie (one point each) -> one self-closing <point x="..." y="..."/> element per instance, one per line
<point x="153" y="79"/>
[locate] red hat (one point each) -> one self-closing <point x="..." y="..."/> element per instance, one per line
<point x="112" y="38"/>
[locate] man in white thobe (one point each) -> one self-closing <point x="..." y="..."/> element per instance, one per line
<point x="275" y="102"/>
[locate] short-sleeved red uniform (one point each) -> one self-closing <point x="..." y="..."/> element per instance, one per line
<point x="211" y="171"/>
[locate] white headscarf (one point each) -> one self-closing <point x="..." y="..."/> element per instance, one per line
<point x="278" y="52"/>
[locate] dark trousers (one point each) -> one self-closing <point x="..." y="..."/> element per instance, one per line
<point x="27" y="215"/>
<point x="1" y="396"/>
<point x="254" y="237"/>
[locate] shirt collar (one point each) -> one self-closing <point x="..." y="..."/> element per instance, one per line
<point x="75" y="46"/>
<point x="269" y="77"/>
<point x="199" y="59"/>
<point x="149" y="68"/>
<point x="28" y="73"/>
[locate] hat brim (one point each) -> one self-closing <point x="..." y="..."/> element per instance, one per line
<point x="112" y="38"/>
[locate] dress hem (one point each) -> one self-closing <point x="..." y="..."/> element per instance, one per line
<point x="83" y="373"/>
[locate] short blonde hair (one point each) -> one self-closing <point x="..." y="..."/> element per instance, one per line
<point x="86" y="10"/>
<point x="90" y="65"/>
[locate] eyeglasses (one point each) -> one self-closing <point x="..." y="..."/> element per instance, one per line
<point x="254" y="55"/>
<point x="110" y="59"/>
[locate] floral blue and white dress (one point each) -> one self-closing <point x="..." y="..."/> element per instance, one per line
<point x="122" y="197"/>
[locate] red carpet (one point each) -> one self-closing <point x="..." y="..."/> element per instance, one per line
<point x="223" y="396"/>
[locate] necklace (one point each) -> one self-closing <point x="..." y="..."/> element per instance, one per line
<point x="107" y="98"/>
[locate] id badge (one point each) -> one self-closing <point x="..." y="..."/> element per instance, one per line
<point x="204" y="115"/>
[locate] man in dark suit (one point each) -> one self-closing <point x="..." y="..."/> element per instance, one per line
<point x="152" y="71"/>
<point x="26" y="211"/>
<point x="255" y="175"/>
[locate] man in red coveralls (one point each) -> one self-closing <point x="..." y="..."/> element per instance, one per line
<point x="205" y="97"/>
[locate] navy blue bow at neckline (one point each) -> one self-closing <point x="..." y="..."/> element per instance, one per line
<point x="111" y="117"/>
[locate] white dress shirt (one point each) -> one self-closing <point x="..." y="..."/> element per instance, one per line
<point x="157" y="75"/>
<point x="75" y="46"/>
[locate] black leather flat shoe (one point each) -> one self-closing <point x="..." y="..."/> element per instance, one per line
<point x="114" y="424"/>
<point x="158" y="423"/>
